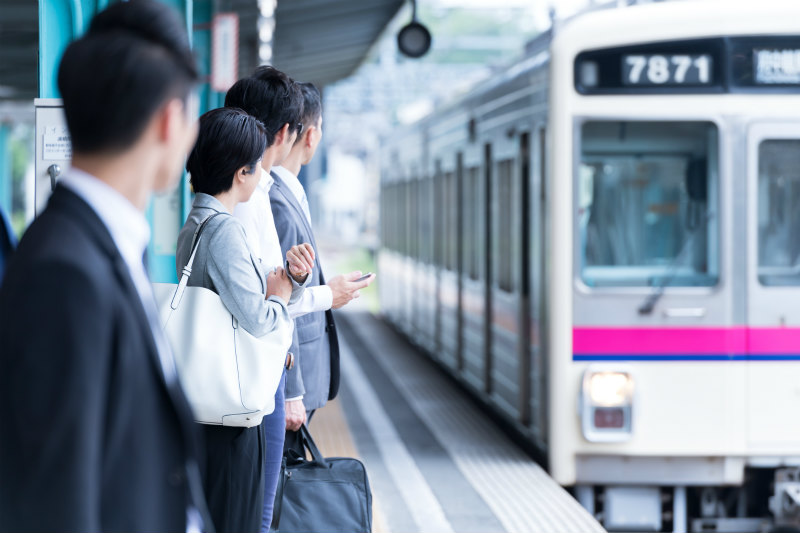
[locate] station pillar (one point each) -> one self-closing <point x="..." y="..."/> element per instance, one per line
<point x="5" y="168"/>
<point x="62" y="21"/>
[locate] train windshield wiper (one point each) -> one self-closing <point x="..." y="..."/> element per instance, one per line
<point x="658" y="290"/>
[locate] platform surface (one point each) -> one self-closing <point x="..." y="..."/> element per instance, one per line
<point x="436" y="462"/>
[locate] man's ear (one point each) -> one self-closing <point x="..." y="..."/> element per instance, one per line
<point x="170" y="120"/>
<point x="308" y="140"/>
<point x="283" y="134"/>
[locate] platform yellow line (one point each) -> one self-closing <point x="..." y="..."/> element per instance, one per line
<point x="332" y="435"/>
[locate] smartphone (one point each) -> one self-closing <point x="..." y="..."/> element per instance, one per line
<point x="362" y="278"/>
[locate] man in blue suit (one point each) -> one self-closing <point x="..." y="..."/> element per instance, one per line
<point x="315" y="379"/>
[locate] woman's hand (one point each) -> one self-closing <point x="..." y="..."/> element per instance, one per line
<point x="301" y="261"/>
<point x="279" y="284"/>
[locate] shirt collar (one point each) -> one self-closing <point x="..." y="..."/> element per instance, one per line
<point x="291" y="181"/>
<point x="266" y="181"/>
<point x="202" y="199"/>
<point x="125" y="222"/>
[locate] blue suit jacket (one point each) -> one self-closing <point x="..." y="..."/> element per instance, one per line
<point x="315" y="344"/>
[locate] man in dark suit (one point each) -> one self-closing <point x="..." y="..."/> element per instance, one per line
<point x="97" y="434"/>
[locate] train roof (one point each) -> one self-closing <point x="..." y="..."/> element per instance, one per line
<point x="676" y="20"/>
<point x="606" y="26"/>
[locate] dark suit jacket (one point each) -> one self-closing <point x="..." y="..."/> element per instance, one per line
<point x="7" y="242"/>
<point x="92" y="437"/>
<point x="315" y="343"/>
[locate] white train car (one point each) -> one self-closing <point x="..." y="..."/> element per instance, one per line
<point x="603" y="244"/>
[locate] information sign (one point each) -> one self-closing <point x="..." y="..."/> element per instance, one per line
<point x="776" y="66"/>
<point x="224" y="51"/>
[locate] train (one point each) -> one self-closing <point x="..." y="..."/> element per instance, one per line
<point x="601" y="242"/>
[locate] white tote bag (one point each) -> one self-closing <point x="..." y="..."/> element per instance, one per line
<point x="229" y="376"/>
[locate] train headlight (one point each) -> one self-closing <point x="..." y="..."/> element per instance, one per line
<point x="606" y="405"/>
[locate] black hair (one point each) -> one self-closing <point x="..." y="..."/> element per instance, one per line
<point x="134" y="58"/>
<point x="312" y="104"/>
<point x="271" y="96"/>
<point x="228" y="139"/>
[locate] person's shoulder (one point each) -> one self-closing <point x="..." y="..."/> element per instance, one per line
<point x="59" y="261"/>
<point x="225" y="231"/>
<point x="59" y="237"/>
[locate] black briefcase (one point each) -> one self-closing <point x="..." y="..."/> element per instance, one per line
<point x="322" y="495"/>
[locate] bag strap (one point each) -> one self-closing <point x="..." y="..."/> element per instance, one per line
<point x="187" y="269"/>
<point x="309" y="443"/>
<point x="277" y="508"/>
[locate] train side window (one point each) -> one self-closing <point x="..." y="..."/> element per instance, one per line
<point x="413" y="219"/>
<point x="505" y="229"/>
<point x="439" y="218"/>
<point x="646" y="204"/>
<point x="387" y="216"/>
<point x="406" y="224"/>
<point x="472" y="213"/>
<point x="448" y="209"/>
<point x="779" y="212"/>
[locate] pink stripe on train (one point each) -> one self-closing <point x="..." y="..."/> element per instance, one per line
<point x="678" y="341"/>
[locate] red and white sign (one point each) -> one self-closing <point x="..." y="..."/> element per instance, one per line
<point x="224" y="51"/>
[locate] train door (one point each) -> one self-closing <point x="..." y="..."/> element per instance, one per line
<point x="536" y="261"/>
<point x="773" y="289"/>
<point x="447" y="253"/>
<point x="407" y="269"/>
<point x="473" y="274"/>
<point x="652" y="289"/>
<point x="427" y="271"/>
<point x="504" y="368"/>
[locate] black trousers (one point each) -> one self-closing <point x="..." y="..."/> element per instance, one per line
<point x="234" y="477"/>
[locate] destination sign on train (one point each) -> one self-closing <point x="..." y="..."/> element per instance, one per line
<point x="666" y="69"/>
<point x="697" y="66"/>
<point x="775" y="66"/>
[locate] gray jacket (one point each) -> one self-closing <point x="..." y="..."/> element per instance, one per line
<point x="224" y="264"/>
<point x="315" y="344"/>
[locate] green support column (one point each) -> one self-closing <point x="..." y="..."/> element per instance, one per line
<point x="5" y="169"/>
<point x="60" y="22"/>
<point x="167" y="211"/>
<point x="201" y="43"/>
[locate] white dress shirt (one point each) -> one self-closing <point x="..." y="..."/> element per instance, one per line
<point x="259" y="226"/>
<point x="131" y="233"/>
<point x="295" y="186"/>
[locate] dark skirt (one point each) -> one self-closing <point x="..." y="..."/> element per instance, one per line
<point x="234" y="477"/>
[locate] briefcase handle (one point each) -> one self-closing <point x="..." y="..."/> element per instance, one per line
<point x="311" y="446"/>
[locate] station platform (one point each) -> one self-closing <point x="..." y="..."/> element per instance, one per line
<point x="436" y="462"/>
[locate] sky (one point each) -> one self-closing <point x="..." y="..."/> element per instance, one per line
<point x="563" y="7"/>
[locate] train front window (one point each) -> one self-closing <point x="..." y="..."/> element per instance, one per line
<point x="647" y="203"/>
<point x="779" y="212"/>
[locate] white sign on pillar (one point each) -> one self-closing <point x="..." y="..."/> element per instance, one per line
<point x="224" y="51"/>
<point x="53" y="148"/>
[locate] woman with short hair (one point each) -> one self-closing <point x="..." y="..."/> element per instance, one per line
<point x="225" y="169"/>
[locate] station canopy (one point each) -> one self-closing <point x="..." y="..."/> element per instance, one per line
<point x="19" y="49"/>
<point x="320" y="41"/>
